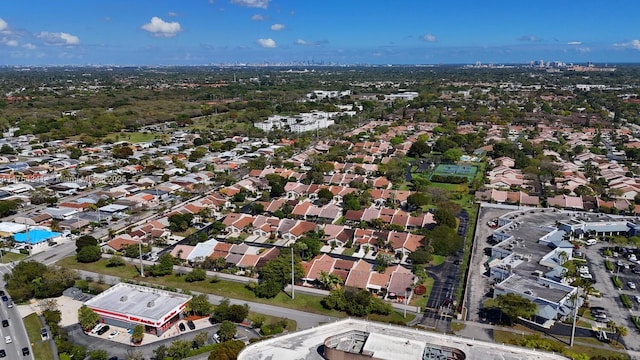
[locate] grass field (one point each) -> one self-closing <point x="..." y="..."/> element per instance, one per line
<point x="588" y="346"/>
<point x="132" y="137"/>
<point x="10" y="256"/>
<point x="302" y="302"/>
<point x="41" y="349"/>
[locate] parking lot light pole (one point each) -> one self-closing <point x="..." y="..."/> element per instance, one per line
<point x="575" y="317"/>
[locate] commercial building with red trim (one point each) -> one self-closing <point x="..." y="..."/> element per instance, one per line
<point x="127" y="305"/>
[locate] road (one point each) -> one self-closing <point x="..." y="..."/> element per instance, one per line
<point x="305" y="320"/>
<point x="16" y="329"/>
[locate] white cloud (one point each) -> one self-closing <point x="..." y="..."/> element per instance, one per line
<point x="29" y="46"/>
<point x="634" y="44"/>
<point x="266" y="43"/>
<point x="252" y="3"/>
<point x="303" y="42"/>
<point x="3" y="25"/>
<point x="160" y="28"/>
<point x="277" y="27"/>
<point x="257" y="17"/>
<point x="429" y="38"/>
<point x="574" y="43"/>
<point x="58" y="38"/>
<point x="12" y="42"/>
<point x="172" y="14"/>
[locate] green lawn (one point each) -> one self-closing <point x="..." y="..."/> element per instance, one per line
<point x="132" y="137"/>
<point x="437" y="260"/>
<point x="580" y="346"/>
<point x="302" y="302"/>
<point x="41" y="349"/>
<point x="10" y="256"/>
<point x="422" y="300"/>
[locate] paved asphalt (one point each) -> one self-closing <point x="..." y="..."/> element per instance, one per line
<point x="16" y="329"/>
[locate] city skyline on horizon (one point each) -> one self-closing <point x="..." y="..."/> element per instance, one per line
<point x="255" y="32"/>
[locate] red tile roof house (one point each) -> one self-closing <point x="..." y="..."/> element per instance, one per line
<point x="298" y="230"/>
<point x="404" y="243"/>
<point x="321" y="263"/>
<point x="118" y="244"/>
<point x="359" y="275"/>
<point x="236" y="223"/>
<point x="339" y="234"/>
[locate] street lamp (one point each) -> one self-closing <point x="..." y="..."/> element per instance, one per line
<point x="407" y="291"/>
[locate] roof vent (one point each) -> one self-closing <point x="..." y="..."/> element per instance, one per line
<point x="123" y="298"/>
<point x="151" y="304"/>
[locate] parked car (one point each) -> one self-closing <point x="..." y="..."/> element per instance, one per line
<point x="103" y="330"/>
<point x="181" y="327"/>
<point x="97" y="327"/>
<point x="638" y="299"/>
<point x="631" y="285"/>
<point x="113" y="334"/>
<point x="191" y="325"/>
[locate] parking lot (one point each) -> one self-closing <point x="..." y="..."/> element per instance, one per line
<point x="610" y="295"/>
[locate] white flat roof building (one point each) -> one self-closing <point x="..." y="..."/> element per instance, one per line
<point x="381" y="341"/>
<point x="135" y="304"/>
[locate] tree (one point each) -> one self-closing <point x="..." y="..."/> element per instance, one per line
<point x="324" y="196"/>
<point x="163" y="267"/>
<point x="417" y="200"/>
<point x="418" y="149"/>
<point x="33" y="279"/>
<point x="197" y="274"/>
<point x="85" y="240"/>
<point x="122" y="152"/>
<point x="89" y="254"/>
<point x="87" y="318"/>
<point x="330" y="281"/>
<point x="98" y="354"/>
<point x="620" y="330"/>
<point x="383" y="260"/>
<point x="276" y="274"/>
<point x="115" y="261"/>
<point x="75" y="152"/>
<point x="200" y="305"/>
<point x="445" y="218"/>
<point x="160" y="353"/>
<point x="138" y="334"/>
<point x="179" y="349"/>
<point x="8" y="207"/>
<point x="227" y="331"/>
<point x="226" y="351"/>
<point x="453" y="154"/>
<point x="201" y="338"/>
<point x="420" y="256"/>
<point x="515" y="306"/>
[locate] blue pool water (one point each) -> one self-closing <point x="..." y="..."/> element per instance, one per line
<point x="36" y="236"/>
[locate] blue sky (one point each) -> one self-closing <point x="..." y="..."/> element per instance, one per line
<point x="203" y="32"/>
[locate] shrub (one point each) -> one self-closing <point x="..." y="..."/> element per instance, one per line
<point x="609" y="265"/>
<point x="617" y="282"/>
<point x="626" y="301"/>
<point x="197" y="274"/>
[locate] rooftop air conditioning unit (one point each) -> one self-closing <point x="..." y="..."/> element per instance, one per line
<point x="123" y="298"/>
<point x="151" y="304"/>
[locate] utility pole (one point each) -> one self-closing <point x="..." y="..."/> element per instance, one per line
<point x="140" y="254"/>
<point x="575" y="316"/>
<point x="293" y="290"/>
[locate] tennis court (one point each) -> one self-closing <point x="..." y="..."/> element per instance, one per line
<point x="456" y="170"/>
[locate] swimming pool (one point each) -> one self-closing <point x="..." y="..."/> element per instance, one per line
<point x="36" y="236"/>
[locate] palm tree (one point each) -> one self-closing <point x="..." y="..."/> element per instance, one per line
<point x="329" y="281"/>
<point x="563" y="257"/>
<point x="620" y="331"/>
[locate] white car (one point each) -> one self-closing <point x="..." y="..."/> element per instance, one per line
<point x="96" y="328"/>
<point x="631" y="285"/>
<point x="114" y="334"/>
<point x="638" y="299"/>
<point x="7" y="339"/>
